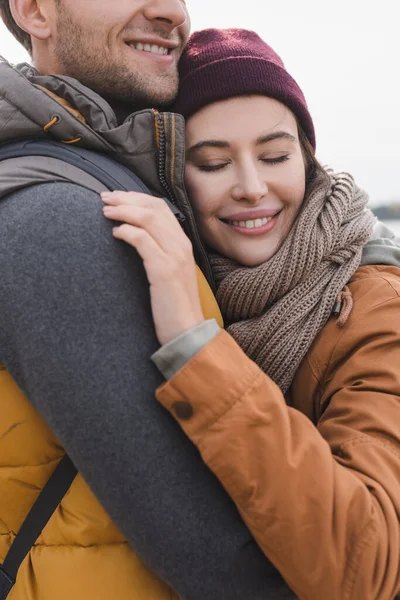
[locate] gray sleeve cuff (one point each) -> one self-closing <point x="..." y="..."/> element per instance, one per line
<point x="171" y="357"/>
<point x="383" y="247"/>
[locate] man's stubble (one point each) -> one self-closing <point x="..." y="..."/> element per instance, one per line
<point x="83" y="54"/>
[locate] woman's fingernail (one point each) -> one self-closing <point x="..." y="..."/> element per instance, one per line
<point x="108" y="209"/>
<point x="106" y="196"/>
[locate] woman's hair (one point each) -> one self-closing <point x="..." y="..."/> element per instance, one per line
<point x="315" y="173"/>
<point x="8" y="20"/>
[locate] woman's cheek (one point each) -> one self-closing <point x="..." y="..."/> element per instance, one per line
<point x="204" y="200"/>
<point x="207" y="198"/>
<point x="208" y="224"/>
<point x="197" y="190"/>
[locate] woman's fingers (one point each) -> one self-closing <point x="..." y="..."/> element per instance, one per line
<point x="146" y="246"/>
<point x="160" y="268"/>
<point x="119" y="197"/>
<point x="149" y="226"/>
<point x="136" y="199"/>
<point x="155" y="217"/>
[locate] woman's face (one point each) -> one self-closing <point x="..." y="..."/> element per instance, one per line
<point x="245" y="176"/>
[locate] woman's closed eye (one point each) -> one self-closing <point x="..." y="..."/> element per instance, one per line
<point x="210" y="168"/>
<point x="271" y="160"/>
<point x="275" y="160"/>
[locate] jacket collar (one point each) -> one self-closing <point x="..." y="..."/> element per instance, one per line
<point x="152" y="144"/>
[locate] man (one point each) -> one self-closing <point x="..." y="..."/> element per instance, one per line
<point x="76" y="332"/>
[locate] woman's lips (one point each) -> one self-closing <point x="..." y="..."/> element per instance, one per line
<point x="258" y="213"/>
<point x="256" y="229"/>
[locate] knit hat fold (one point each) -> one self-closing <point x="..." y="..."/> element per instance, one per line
<point x="220" y="64"/>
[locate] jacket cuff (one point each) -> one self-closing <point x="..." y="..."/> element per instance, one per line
<point x="382" y="248"/>
<point x="208" y="386"/>
<point x="171" y="357"/>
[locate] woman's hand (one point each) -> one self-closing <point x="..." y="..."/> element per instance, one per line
<point x="151" y="228"/>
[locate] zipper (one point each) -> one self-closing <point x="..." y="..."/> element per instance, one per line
<point x="161" y="143"/>
<point x="162" y="159"/>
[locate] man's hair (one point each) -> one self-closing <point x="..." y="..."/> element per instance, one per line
<point x="8" y="20"/>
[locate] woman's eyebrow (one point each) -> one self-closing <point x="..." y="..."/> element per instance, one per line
<point x="207" y="144"/>
<point x="263" y="139"/>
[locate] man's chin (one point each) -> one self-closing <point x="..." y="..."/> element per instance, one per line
<point x="134" y="101"/>
<point x="124" y="83"/>
<point x="161" y="94"/>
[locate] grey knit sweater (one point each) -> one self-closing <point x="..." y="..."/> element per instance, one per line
<point x="76" y="334"/>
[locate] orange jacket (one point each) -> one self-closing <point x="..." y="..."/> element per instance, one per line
<point x="316" y="479"/>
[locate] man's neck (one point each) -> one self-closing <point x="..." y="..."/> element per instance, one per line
<point x="122" y="109"/>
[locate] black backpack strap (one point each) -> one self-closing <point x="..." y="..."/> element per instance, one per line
<point x="40" y="513"/>
<point x="107" y="170"/>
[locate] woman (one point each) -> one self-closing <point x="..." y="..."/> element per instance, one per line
<point x="304" y="431"/>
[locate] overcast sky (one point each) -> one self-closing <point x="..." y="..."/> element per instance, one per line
<point x="345" y="56"/>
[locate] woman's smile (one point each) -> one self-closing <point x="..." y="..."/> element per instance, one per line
<point x="252" y="223"/>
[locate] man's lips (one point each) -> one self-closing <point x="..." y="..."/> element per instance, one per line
<point x="166" y="59"/>
<point x="160" y="53"/>
<point x="170" y="44"/>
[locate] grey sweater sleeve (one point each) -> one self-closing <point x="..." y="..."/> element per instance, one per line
<point x="76" y="334"/>
<point x="383" y="247"/>
<point x="171" y="357"/>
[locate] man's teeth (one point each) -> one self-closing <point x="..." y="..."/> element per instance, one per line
<point x="251" y="224"/>
<point x="153" y="48"/>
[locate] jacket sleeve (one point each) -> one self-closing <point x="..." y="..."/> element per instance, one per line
<point x="76" y="333"/>
<point x="383" y="247"/>
<point x="323" y="502"/>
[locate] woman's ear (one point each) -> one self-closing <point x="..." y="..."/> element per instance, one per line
<point x="32" y="16"/>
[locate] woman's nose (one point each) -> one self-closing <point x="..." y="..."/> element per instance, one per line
<point x="250" y="187"/>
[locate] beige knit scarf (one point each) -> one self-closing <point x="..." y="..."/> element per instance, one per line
<point x="275" y="310"/>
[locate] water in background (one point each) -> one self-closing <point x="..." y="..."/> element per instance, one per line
<point x="394" y="225"/>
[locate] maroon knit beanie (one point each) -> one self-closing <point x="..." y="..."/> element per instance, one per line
<point x="222" y="63"/>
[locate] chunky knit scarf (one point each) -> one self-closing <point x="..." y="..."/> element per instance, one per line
<point x="276" y="310"/>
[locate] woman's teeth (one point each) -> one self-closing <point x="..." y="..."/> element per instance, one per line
<point x="251" y="224"/>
